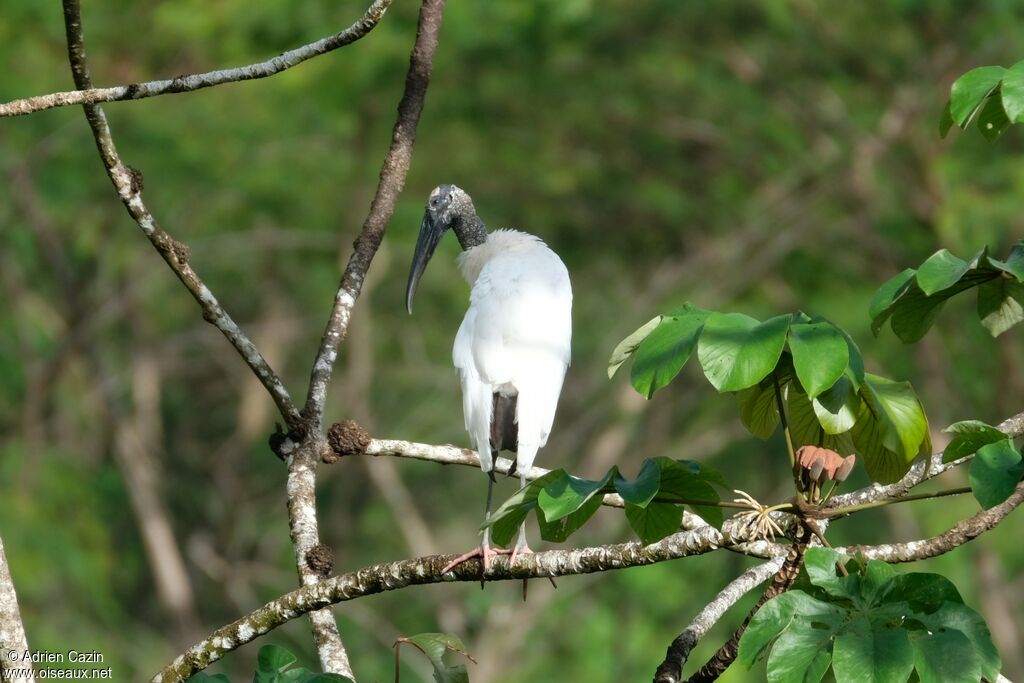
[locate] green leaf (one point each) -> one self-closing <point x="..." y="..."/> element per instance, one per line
<point x="1000" y="304"/>
<point x="641" y="490"/>
<point x="958" y="617"/>
<point x="435" y="646"/>
<point x="273" y="659"/>
<point x="661" y="356"/>
<point x="970" y="89"/>
<point x="567" y="493"/>
<point x="940" y="271"/>
<point x="1014" y="264"/>
<point x="995" y="472"/>
<point x="681" y="480"/>
<point x="737" y="352"/>
<point x="946" y="122"/>
<point x="922" y="591"/>
<point x="627" y="346"/>
<point x="505" y="521"/>
<point x="1012" y="92"/>
<point x="836" y="408"/>
<point x="805" y="427"/>
<point x="992" y="120"/>
<point x="558" y="530"/>
<point x="800" y="655"/>
<point x="655" y="521"/>
<point x="861" y="654"/>
<point x="889" y="292"/>
<point x="758" y="411"/>
<point x="891" y="429"/>
<point x="820" y="355"/>
<point x="820" y="564"/>
<point x="969" y="436"/>
<point x="779" y="614"/>
<point x="945" y="657"/>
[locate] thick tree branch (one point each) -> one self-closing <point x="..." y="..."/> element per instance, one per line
<point x="180" y="84"/>
<point x="920" y="472"/>
<point x="427" y="570"/>
<point x="128" y="183"/>
<point x="12" y="631"/>
<point x="392" y="180"/>
<point x="671" y="669"/>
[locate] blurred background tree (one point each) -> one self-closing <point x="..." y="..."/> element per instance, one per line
<point x="753" y="156"/>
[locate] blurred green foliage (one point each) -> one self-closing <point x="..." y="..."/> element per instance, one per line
<point x="761" y="157"/>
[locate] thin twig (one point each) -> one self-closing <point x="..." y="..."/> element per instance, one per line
<point x="187" y="83"/>
<point x="843" y="511"/>
<point x="671" y="669"/>
<point x="128" y="183"/>
<point x="392" y="180"/>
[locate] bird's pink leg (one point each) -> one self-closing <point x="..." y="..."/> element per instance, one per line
<point x="485" y="552"/>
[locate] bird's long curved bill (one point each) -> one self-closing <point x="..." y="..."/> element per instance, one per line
<point x="430" y="236"/>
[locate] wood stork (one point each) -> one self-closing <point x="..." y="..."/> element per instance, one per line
<point x="512" y="349"/>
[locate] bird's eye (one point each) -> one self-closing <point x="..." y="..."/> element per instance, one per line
<point x="434" y="201"/>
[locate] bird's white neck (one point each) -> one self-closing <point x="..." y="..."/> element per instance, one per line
<point x="500" y="242"/>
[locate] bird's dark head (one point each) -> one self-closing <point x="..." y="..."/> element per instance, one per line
<point x="448" y="206"/>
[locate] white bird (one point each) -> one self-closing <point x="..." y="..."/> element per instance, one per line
<point x="512" y="349"/>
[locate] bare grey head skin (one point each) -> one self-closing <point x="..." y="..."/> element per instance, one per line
<point x="447" y="207"/>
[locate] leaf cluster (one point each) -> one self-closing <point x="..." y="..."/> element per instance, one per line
<point x="808" y="366"/>
<point x="654" y="500"/>
<point x="913" y="299"/>
<point x="872" y="625"/>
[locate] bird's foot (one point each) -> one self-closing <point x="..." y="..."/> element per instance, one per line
<point x="519" y="549"/>
<point x="485" y="553"/>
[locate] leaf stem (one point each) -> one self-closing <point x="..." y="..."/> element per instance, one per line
<point x="842" y="512"/>
<point x="785" y="431"/>
<point x="716" y="503"/>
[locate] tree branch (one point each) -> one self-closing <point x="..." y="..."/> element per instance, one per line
<point x="12" y="631"/>
<point x="128" y="183"/>
<point x="671" y="669"/>
<point x="180" y="84"/>
<point x="391" y="576"/>
<point x="392" y="180"/>
<point x="962" y="532"/>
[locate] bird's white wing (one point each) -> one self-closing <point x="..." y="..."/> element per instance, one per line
<point x="516" y="337"/>
<point x="476" y="393"/>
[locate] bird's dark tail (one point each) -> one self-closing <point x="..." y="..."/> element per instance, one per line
<point x="504" y="431"/>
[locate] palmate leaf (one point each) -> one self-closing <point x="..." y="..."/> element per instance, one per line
<point x="758" y="410"/>
<point x="628" y="346"/>
<point x="992" y="120"/>
<point x="913" y="299"/>
<point x="872" y="625"/>
<point x="805" y="428"/>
